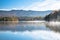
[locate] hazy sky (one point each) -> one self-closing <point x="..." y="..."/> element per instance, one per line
<point x="30" y="4"/>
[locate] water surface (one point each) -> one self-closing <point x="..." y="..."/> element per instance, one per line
<point x="29" y="30"/>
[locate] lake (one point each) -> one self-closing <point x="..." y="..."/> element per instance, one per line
<point x="30" y="30"/>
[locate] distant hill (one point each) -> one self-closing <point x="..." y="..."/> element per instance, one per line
<point x="19" y="13"/>
<point x="53" y="16"/>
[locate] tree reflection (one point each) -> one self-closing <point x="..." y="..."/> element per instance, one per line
<point x="53" y="26"/>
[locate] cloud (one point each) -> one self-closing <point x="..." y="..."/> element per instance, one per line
<point x="45" y="5"/>
<point x="41" y="6"/>
<point x="6" y="9"/>
<point x="11" y="9"/>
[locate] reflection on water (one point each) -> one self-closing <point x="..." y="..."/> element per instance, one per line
<point x="23" y="26"/>
<point x="30" y="35"/>
<point x="29" y="30"/>
<point x="29" y="25"/>
<point x="53" y="26"/>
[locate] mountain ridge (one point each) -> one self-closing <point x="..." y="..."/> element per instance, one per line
<point x="23" y="13"/>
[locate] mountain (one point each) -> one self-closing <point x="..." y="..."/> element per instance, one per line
<point x="28" y="13"/>
<point x="53" y="16"/>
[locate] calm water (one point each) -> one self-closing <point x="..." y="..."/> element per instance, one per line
<point x="29" y="30"/>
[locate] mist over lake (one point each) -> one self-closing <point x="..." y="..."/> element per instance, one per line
<point x="29" y="30"/>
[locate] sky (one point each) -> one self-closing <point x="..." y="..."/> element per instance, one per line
<point x="38" y="5"/>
